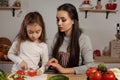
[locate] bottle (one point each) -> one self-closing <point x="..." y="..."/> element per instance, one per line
<point x="98" y="6"/>
<point x="118" y="31"/>
<point x="17" y="3"/>
<point x="118" y="28"/>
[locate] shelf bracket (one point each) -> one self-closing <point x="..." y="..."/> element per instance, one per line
<point x="13" y="12"/>
<point x="86" y="13"/>
<point x="107" y="13"/>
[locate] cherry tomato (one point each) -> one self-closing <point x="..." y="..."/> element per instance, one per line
<point x="109" y="75"/>
<point x="21" y="72"/>
<point x="91" y="70"/>
<point x="32" y="73"/>
<point x="96" y="76"/>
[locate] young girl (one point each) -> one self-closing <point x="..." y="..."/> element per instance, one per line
<point x="29" y="46"/>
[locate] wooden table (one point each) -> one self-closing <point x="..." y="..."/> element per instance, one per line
<point x="71" y="76"/>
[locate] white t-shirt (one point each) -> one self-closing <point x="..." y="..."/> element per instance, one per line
<point x="31" y="53"/>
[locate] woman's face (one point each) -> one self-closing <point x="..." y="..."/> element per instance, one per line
<point x="64" y="22"/>
<point x="34" y="32"/>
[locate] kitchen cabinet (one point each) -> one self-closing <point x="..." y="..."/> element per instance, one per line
<point x="86" y="10"/>
<point x="13" y="8"/>
<point x="6" y="66"/>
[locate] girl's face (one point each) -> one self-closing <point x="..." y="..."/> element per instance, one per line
<point x="34" y="32"/>
<point x="64" y="22"/>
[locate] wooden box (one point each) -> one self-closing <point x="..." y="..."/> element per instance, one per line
<point x="115" y="48"/>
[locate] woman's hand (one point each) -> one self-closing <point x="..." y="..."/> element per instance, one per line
<point x="23" y="65"/>
<point x="58" y="67"/>
<point x="52" y="60"/>
<point x="55" y="65"/>
<point x="62" y="69"/>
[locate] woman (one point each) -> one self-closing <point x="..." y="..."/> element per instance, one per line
<point x="71" y="50"/>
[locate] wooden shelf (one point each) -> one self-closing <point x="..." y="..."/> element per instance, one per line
<point x="107" y="59"/>
<point x="13" y="8"/>
<point x="6" y="62"/>
<point x="97" y="10"/>
<point x="9" y="7"/>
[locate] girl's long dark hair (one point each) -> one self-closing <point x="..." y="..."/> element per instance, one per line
<point x="30" y="18"/>
<point x="74" y="41"/>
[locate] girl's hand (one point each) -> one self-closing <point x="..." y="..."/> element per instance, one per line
<point x="23" y="65"/>
<point x="52" y="60"/>
<point x="39" y="72"/>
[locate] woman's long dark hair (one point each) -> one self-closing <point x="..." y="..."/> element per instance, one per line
<point x="30" y="18"/>
<point x="74" y="41"/>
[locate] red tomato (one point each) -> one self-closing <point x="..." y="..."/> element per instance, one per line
<point x="97" y="52"/>
<point x="96" y="76"/>
<point x="91" y="70"/>
<point x="32" y="73"/>
<point x="18" y="78"/>
<point x="21" y="72"/>
<point x="109" y="75"/>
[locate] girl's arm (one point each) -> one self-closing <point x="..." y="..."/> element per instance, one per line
<point x="44" y="57"/>
<point x="11" y="54"/>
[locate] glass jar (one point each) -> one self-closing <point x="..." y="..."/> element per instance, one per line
<point x="17" y="3"/>
<point x="86" y="2"/>
<point x="98" y="6"/>
<point x="111" y="5"/>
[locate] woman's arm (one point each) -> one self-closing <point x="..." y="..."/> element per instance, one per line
<point x="86" y="52"/>
<point x="62" y="69"/>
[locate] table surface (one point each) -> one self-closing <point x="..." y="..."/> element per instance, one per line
<point x="71" y="76"/>
<point x="47" y="76"/>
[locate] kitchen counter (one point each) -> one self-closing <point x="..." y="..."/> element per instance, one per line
<point x="7" y="65"/>
<point x="47" y="76"/>
<point x="71" y="76"/>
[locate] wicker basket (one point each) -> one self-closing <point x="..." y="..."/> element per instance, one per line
<point x="5" y="44"/>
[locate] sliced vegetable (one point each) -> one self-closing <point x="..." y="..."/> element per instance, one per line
<point x="32" y="73"/>
<point x="21" y="72"/>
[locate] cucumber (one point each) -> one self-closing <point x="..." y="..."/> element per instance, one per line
<point x="59" y="77"/>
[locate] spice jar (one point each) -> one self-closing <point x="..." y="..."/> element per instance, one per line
<point x="17" y="3"/>
<point x="98" y="6"/>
